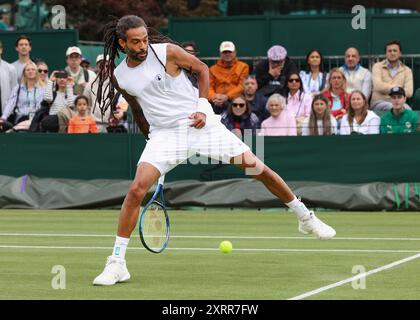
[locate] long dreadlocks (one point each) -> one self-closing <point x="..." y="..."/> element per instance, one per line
<point x="114" y="30"/>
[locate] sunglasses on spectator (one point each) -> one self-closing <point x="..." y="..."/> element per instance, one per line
<point x="238" y="105"/>
<point x="42" y="71"/>
<point x="294" y="80"/>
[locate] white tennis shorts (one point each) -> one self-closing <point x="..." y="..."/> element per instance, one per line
<point x="169" y="147"/>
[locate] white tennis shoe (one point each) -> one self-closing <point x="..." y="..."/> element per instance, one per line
<point x="315" y="226"/>
<point x="115" y="271"/>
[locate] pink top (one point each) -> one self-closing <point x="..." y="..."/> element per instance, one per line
<point x="283" y="125"/>
<point x="299" y="108"/>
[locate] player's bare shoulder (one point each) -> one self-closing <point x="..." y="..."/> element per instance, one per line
<point x="173" y="58"/>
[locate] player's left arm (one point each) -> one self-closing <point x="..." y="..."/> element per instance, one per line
<point x="177" y="59"/>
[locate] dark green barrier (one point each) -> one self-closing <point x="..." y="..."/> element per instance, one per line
<point x="49" y="46"/>
<point x="341" y="159"/>
<point x="331" y="34"/>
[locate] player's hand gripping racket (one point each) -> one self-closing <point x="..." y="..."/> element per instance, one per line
<point x="154" y="222"/>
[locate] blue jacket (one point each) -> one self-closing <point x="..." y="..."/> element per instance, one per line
<point x="245" y="122"/>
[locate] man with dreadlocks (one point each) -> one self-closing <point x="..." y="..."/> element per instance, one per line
<point x="177" y="120"/>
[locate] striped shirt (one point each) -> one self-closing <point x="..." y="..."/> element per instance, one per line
<point x="62" y="99"/>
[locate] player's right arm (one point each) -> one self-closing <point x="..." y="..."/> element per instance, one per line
<point x="136" y="109"/>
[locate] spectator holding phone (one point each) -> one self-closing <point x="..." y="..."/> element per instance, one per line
<point x="59" y="91"/>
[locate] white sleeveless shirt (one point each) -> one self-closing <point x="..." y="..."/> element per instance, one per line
<point x="165" y="100"/>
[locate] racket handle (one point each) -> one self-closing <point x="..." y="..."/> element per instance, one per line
<point x="161" y="179"/>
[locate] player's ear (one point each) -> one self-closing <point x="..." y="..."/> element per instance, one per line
<point x="122" y="43"/>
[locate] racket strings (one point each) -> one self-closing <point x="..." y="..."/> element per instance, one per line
<point x="155" y="227"/>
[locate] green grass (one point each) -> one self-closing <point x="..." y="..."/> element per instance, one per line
<point x="190" y="272"/>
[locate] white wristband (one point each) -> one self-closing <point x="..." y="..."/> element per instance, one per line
<point x="204" y="106"/>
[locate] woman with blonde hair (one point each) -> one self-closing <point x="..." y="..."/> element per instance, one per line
<point x="359" y="120"/>
<point x="320" y="121"/>
<point x="281" y="122"/>
<point x="336" y="93"/>
<point x="25" y="98"/>
<point x="43" y="72"/>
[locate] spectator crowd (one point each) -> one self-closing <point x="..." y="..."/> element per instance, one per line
<point x="36" y="99"/>
<point x="274" y="98"/>
<point x="278" y="99"/>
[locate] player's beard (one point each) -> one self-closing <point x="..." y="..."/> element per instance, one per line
<point x="136" y="55"/>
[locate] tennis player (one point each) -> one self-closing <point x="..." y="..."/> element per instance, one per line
<point x="178" y="121"/>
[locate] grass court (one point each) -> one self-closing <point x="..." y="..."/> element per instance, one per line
<point x="270" y="259"/>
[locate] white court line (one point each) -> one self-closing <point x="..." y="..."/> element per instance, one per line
<point x="361" y="275"/>
<point x="216" y="249"/>
<point x="203" y="237"/>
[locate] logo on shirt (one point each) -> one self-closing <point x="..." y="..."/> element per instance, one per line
<point x="158" y="77"/>
<point x="408" y="124"/>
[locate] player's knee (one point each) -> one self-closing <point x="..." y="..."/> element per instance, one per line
<point x="262" y="173"/>
<point x="254" y="168"/>
<point x="137" y="191"/>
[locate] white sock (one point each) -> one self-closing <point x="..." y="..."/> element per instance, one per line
<point x="299" y="208"/>
<point x="120" y="247"/>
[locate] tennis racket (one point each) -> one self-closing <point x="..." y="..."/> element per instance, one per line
<point x="154" y="222"/>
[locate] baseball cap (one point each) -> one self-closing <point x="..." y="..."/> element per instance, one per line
<point x="71" y="50"/>
<point x="227" y="46"/>
<point x="277" y="53"/>
<point x="100" y="57"/>
<point x="397" y="90"/>
<point x="84" y="59"/>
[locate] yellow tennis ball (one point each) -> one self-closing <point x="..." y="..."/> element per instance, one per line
<point x="225" y="246"/>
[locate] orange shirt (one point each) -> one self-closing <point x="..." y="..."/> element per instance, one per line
<point x="227" y="80"/>
<point x="79" y="124"/>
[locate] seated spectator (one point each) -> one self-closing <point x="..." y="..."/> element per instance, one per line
<point x="90" y="92"/>
<point x="85" y="64"/>
<point x="4" y="20"/>
<point x="43" y="72"/>
<point x="190" y="47"/>
<point x="337" y="94"/>
<point x="82" y="122"/>
<point x="25" y="98"/>
<point x="226" y="77"/>
<point x="254" y="98"/>
<point x="298" y="102"/>
<point x="359" y="120"/>
<point x="280" y="122"/>
<point x="388" y="74"/>
<point x="80" y="75"/>
<point x="320" y="121"/>
<point x="24" y="48"/>
<point x="8" y="80"/>
<point x="271" y="73"/>
<point x="314" y="78"/>
<point x="238" y="117"/>
<point x="399" y="119"/>
<point x="117" y="122"/>
<point x="59" y="95"/>
<point x="357" y="77"/>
